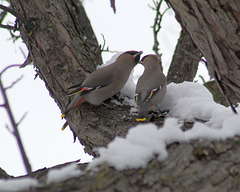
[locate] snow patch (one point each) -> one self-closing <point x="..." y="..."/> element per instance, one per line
<point x="18" y="184"/>
<point x="190" y="100"/>
<point x="185" y="101"/>
<point x="64" y="173"/>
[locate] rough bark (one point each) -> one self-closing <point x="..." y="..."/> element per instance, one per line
<point x="62" y="56"/>
<point x="61" y="51"/>
<point x="218" y="96"/>
<point x="214" y="28"/>
<point x="3" y="174"/>
<point x="185" y="60"/>
<point x="196" y="166"/>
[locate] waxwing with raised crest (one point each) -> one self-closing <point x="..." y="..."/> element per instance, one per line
<point x="151" y="86"/>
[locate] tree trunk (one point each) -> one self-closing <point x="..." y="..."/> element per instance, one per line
<point x="54" y="32"/>
<point x="63" y="56"/>
<point x="218" y="96"/>
<point x="185" y="60"/>
<point x="196" y="166"/>
<point x="214" y="28"/>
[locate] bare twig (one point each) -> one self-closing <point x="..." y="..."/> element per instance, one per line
<point x="157" y="26"/>
<point x="8" y="67"/>
<point x="24" y="55"/>
<point x="9" y="10"/>
<point x="9" y="130"/>
<point x="112" y="2"/>
<point x="9" y="27"/>
<point x="23" y="117"/>
<point x="3" y="15"/>
<point x="27" y="61"/>
<point x="203" y="80"/>
<point x="104" y="42"/>
<point x="13" y="83"/>
<point x="13" y="122"/>
<point x="103" y="46"/>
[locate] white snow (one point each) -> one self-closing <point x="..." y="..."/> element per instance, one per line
<point x="185" y="101"/>
<point x="190" y="100"/>
<point x="18" y="184"/>
<point x="64" y="173"/>
<point x="54" y="175"/>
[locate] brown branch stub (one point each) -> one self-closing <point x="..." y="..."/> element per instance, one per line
<point x="14" y="13"/>
<point x="112" y="2"/>
<point x="9" y="27"/>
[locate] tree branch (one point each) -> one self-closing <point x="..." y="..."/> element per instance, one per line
<point x="185" y="60"/>
<point x="2" y="15"/>
<point x="22" y="118"/>
<point x="9" y="27"/>
<point x="112" y="2"/>
<point x="12" y="120"/>
<point x="222" y="89"/>
<point x="8" y="67"/>
<point x="103" y="46"/>
<point x="9" y="10"/>
<point x="157" y="26"/>
<point x="13" y="83"/>
<point x="9" y="130"/>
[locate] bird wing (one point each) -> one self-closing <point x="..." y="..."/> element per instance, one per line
<point x="152" y="92"/>
<point x="96" y="80"/>
<point x="137" y="97"/>
<point x="83" y="90"/>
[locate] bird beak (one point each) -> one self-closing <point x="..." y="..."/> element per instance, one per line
<point x="139" y="53"/>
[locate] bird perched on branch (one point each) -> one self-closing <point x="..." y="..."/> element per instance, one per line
<point x="151" y="86"/>
<point x="104" y="82"/>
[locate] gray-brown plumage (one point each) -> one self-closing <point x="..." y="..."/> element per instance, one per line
<point x="104" y="82"/>
<point x="151" y="86"/>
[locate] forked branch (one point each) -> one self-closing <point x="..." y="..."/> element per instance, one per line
<point x="12" y="120"/>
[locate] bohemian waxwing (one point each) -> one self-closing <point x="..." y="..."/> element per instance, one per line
<point x="104" y="82"/>
<point x="151" y="86"/>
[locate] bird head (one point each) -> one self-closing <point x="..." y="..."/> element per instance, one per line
<point x="135" y="55"/>
<point x="149" y="59"/>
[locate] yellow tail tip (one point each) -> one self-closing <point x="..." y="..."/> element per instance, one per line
<point x="142" y="119"/>
<point x="64" y="126"/>
<point x="63" y="115"/>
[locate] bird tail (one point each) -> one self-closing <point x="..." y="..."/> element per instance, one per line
<point x="142" y="113"/>
<point x="65" y="125"/>
<point x="141" y="119"/>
